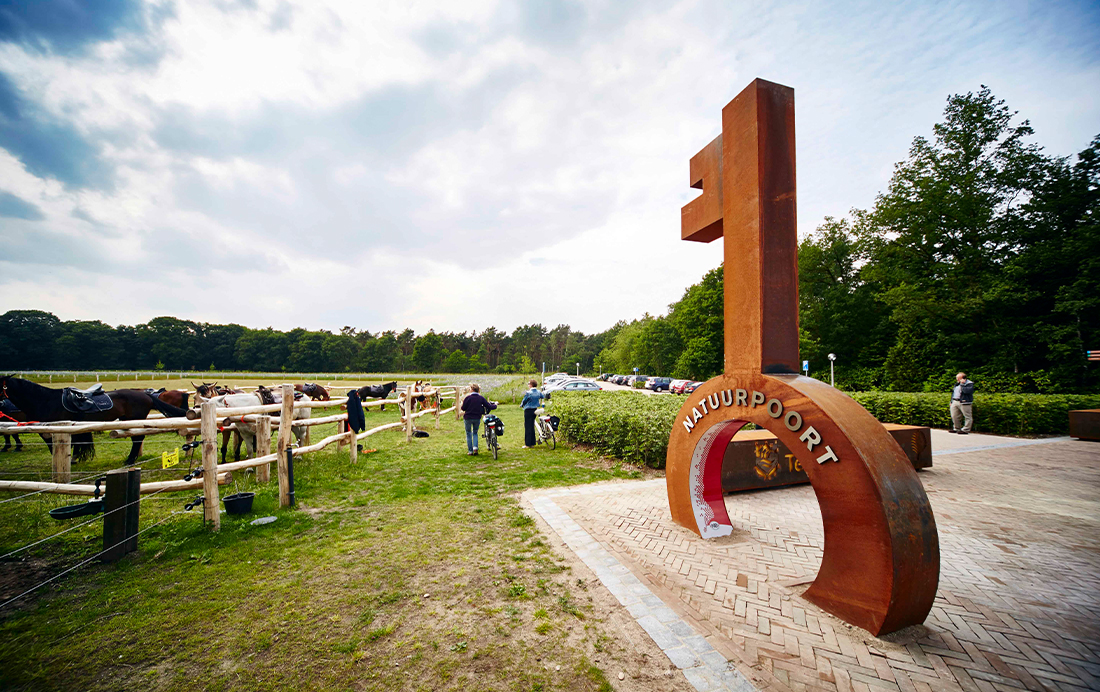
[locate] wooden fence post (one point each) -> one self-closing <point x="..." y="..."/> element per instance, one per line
<point x="408" y="414"/>
<point x="458" y="402"/>
<point x="353" y="443"/>
<point x="438" y="405"/>
<point x="210" y="496"/>
<point x="62" y="457"/>
<point x="263" y="447"/>
<point x="120" y="519"/>
<point x="285" y="418"/>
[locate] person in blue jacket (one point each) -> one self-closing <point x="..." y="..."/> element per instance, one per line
<point x="531" y="401"/>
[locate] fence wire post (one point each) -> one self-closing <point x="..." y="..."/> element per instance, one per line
<point x="210" y="465"/>
<point x="286" y="497"/>
<point x="120" y="523"/>
<point x="458" y="402"/>
<point x="263" y="447"/>
<point x="62" y="457"/>
<point x="408" y="414"/>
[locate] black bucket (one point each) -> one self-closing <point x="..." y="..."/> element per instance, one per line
<point x="82" y="509"/>
<point x="240" y="503"/>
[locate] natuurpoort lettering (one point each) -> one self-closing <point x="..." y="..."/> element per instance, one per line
<point x="742" y="397"/>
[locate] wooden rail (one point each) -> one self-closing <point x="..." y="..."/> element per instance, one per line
<point x="206" y="423"/>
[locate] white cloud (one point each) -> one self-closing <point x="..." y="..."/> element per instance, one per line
<point x="523" y="168"/>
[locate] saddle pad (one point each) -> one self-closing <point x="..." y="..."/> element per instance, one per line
<point x="76" y="401"/>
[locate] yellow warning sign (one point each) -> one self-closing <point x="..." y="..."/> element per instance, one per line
<point x="167" y="459"/>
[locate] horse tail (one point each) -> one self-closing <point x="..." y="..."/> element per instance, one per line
<point x="168" y="409"/>
<point x="83" y="449"/>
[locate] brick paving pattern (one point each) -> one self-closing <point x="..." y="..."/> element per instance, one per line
<point x="1018" y="606"/>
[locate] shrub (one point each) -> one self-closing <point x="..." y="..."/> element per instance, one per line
<point x="1001" y="414"/>
<point x="631" y="427"/>
<point x="636" y="428"/>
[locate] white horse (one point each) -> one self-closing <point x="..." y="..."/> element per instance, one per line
<point x="246" y="428"/>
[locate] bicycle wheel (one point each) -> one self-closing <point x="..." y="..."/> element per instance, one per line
<point x="493" y="444"/>
<point x="553" y="441"/>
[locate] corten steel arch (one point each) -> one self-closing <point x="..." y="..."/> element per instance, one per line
<point x="880" y="567"/>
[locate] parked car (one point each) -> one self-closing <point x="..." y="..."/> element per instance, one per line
<point x="658" y="384"/>
<point x="560" y="384"/>
<point x="677" y="386"/>
<point x="639" y="381"/>
<point x="582" y="386"/>
<point x="558" y="377"/>
<point x="691" y="387"/>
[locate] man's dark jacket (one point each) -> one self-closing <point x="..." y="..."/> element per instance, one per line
<point x="966" y="392"/>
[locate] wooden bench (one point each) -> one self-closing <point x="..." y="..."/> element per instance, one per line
<point x="1085" y="424"/>
<point x="755" y="459"/>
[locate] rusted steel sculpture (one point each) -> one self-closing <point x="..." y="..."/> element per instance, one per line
<point x="880" y="567"/>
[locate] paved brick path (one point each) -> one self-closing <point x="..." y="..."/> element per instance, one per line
<point x="1019" y="599"/>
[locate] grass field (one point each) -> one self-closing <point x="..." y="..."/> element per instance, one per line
<point x="412" y="569"/>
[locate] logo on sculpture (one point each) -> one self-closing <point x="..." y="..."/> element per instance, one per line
<point x="767" y="460"/>
<point x="880" y="564"/>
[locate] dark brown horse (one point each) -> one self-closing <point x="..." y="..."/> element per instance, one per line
<point x="44" y="404"/>
<point x="376" y="391"/>
<point x="314" y="391"/>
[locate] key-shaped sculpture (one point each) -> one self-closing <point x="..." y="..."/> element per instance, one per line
<point x="880" y="565"/>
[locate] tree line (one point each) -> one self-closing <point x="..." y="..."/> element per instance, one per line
<point x="37" y="340"/>
<point x="982" y="255"/>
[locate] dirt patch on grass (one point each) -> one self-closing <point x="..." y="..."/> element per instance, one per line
<point x="16" y="576"/>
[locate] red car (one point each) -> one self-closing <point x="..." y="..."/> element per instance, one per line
<point x="691" y="387"/>
<point x="677" y="386"/>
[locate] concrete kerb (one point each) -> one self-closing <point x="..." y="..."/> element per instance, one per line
<point x="703" y="666"/>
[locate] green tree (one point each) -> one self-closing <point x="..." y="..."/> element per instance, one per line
<point x="838" y="310"/>
<point x="339" y="351"/>
<point x="306" y="351"/>
<point x="427" y="354"/>
<point x="27" y="339"/>
<point x="263" y="350"/>
<point x="456" y="362"/>
<point x="88" y="346"/>
<point x="938" y="238"/>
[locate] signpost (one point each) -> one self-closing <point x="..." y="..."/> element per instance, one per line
<point x="880" y="564"/>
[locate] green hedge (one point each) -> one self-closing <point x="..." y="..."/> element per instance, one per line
<point x="635" y="427"/>
<point x="999" y="414"/>
<point x="632" y="427"/>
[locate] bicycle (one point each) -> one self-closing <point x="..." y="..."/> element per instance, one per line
<point x="545" y="429"/>
<point x="490" y="434"/>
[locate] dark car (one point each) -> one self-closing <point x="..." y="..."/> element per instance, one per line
<point x="691" y="387"/>
<point x="658" y="384"/>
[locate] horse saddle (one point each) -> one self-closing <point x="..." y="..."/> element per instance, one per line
<point x="90" y="400"/>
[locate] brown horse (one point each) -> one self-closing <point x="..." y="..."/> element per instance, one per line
<point x="44" y="404"/>
<point x="314" y="391"/>
<point x="173" y="397"/>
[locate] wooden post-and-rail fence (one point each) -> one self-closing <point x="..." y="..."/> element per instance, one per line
<point x="215" y="474"/>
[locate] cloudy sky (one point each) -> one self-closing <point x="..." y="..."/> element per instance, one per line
<point x="456" y="165"/>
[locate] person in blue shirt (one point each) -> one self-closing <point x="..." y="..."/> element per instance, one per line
<point x="531" y="400"/>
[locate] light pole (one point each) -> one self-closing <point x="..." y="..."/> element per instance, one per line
<point x="832" y="381"/>
<point x="578" y="369"/>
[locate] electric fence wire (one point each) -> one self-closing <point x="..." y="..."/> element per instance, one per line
<point x="83" y="523"/>
<point x="84" y="562"/>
